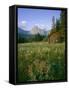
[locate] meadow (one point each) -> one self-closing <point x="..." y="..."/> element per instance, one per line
<point x="39" y="61"/>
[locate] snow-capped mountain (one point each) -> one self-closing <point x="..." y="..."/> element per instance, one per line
<point x="36" y="30"/>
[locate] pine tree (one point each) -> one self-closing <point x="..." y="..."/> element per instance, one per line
<point x="62" y="23"/>
<point x="62" y="19"/>
<point x="53" y="23"/>
<point x="57" y="24"/>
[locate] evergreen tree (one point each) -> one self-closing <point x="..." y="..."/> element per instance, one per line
<point x="62" y="23"/>
<point x="53" y="23"/>
<point x="57" y="24"/>
<point x="62" y="19"/>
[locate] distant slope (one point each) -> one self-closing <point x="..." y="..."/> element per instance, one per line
<point x="23" y="33"/>
<point x="34" y="31"/>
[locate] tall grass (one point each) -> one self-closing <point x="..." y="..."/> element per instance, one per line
<point x="41" y="61"/>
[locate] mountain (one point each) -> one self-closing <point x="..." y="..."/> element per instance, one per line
<point x="31" y="35"/>
<point x="23" y="33"/>
<point x="36" y="30"/>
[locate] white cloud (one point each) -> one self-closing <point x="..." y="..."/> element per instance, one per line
<point x="24" y="24"/>
<point x="36" y="25"/>
<point x="40" y="26"/>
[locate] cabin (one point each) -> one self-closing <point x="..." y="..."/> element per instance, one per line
<point x="54" y="37"/>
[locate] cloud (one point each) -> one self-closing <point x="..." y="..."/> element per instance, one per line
<point x="40" y="26"/>
<point x="24" y="24"/>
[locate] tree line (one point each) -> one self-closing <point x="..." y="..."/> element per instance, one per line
<point x="32" y="38"/>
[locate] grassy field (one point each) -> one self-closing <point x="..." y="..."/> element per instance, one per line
<point x="41" y="61"/>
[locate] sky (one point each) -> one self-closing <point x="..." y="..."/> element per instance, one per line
<point x="28" y="18"/>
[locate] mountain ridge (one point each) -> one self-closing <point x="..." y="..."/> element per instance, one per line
<point x="34" y="31"/>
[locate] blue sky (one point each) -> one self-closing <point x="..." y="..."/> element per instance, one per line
<point x="27" y="18"/>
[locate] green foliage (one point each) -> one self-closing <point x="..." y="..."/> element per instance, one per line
<point x="41" y="61"/>
<point x="38" y="37"/>
<point x="53" y="22"/>
<point x="32" y="38"/>
<point x="21" y="40"/>
<point x="62" y="19"/>
<point x="57" y="25"/>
